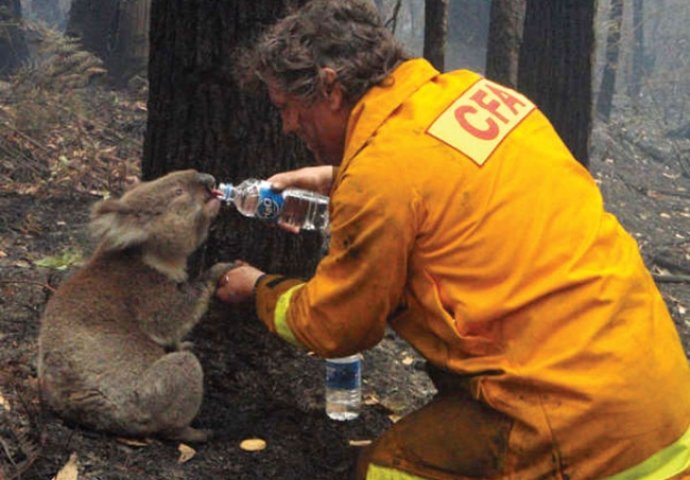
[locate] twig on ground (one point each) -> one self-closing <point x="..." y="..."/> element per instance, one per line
<point x="662" y="278"/>
<point x="26" y="137"/>
<point x="28" y="282"/>
<point x="669" y="265"/>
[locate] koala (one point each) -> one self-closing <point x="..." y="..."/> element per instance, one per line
<point x="111" y="356"/>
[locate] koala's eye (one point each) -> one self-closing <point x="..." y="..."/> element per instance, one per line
<point x="178" y="191"/>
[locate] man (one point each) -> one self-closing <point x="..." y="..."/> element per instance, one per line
<point x="460" y="219"/>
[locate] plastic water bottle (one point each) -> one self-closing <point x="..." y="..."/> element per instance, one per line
<point x="344" y="387"/>
<point x="294" y="207"/>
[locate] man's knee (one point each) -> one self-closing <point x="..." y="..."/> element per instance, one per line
<point x="452" y="434"/>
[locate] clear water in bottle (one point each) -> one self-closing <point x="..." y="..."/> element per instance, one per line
<point x="294" y="207"/>
<point x="344" y="387"/>
<point x="304" y="209"/>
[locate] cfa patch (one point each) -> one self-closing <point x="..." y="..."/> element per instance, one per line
<point x="478" y="121"/>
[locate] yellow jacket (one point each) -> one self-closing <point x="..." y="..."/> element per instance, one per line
<point x="460" y="219"/>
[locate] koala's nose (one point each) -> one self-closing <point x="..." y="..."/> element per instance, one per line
<point x="206" y="180"/>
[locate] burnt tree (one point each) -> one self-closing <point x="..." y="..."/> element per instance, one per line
<point x="638" y="57"/>
<point x="13" y="49"/>
<point x="93" y="21"/>
<point x="468" y="29"/>
<point x="613" y="46"/>
<point x="116" y="31"/>
<point x="556" y="64"/>
<point x="435" y="32"/>
<point x="198" y="118"/>
<point x="503" y="46"/>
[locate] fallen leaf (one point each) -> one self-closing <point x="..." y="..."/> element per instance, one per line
<point x="4" y="403"/>
<point x="407" y="360"/>
<point x="186" y="453"/>
<point x="133" y="442"/>
<point x="682" y="310"/>
<point x="70" y="471"/>
<point x="371" y="400"/>
<point x="359" y="443"/>
<point x="62" y="261"/>
<point x="253" y="444"/>
<point x="394" y="418"/>
<point x="2" y="254"/>
<point x="664" y="215"/>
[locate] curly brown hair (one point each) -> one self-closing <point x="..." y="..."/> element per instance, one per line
<point x="345" y="35"/>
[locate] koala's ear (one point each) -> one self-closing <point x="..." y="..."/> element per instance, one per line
<point x="114" y="225"/>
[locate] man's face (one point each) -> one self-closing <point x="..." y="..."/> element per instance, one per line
<point x="321" y="125"/>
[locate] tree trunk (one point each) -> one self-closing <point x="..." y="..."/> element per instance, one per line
<point x="95" y="23"/>
<point x="613" y="43"/>
<point x="199" y="119"/>
<point x="116" y="31"/>
<point x="555" y="67"/>
<point x="638" y="56"/>
<point x="505" y="35"/>
<point x="13" y="49"/>
<point x="132" y="49"/>
<point x="468" y="31"/>
<point x="435" y="32"/>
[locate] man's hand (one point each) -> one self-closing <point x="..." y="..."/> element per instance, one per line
<point x="317" y="179"/>
<point x="237" y="284"/>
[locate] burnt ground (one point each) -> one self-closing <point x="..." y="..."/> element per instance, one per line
<point x="257" y="386"/>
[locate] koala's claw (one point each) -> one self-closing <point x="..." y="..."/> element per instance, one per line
<point x="214" y="273"/>
<point x="185" y="346"/>
<point x="189" y="435"/>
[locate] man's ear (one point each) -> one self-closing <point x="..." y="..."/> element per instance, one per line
<point x="331" y="88"/>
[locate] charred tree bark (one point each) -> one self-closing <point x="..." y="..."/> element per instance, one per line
<point x="505" y="35"/>
<point x="116" y="31"/>
<point x="555" y="67"/>
<point x="435" y="32"/>
<point x="468" y="31"/>
<point x="199" y="119"/>
<point x="95" y="23"/>
<point x="638" y="56"/>
<point x="13" y="49"/>
<point x="132" y="48"/>
<point x="613" y="45"/>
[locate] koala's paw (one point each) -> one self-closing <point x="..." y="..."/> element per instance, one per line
<point x="214" y="273"/>
<point x="185" y="346"/>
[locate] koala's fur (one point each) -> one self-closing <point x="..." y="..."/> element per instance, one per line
<point x="109" y="344"/>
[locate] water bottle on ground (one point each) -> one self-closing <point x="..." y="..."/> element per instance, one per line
<point x="298" y="208"/>
<point x="344" y="387"/>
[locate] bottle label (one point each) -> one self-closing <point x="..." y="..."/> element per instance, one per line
<point x="270" y="203"/>
<point x="343" y="376"/>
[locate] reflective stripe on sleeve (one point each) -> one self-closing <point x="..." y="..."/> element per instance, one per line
<point x="665" y="463"/>
<point x="280" y="316"/>
<point x="375" y="472"/>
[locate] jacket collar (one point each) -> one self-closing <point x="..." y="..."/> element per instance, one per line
<point x="381" y="101"/>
